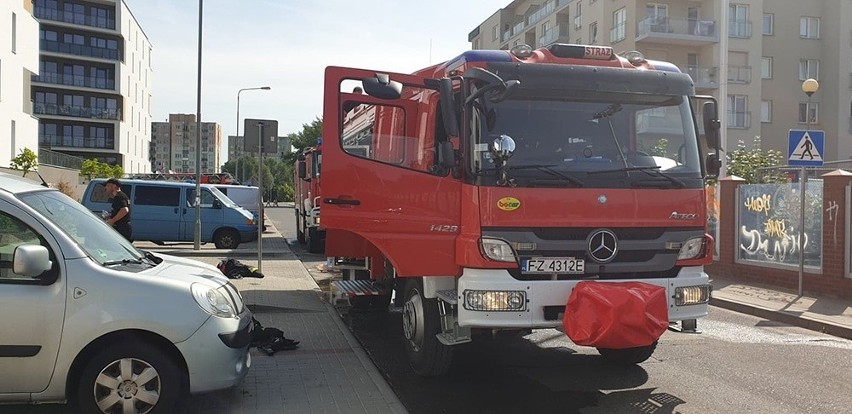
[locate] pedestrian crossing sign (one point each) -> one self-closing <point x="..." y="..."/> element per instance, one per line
<point x="806" y="148"/>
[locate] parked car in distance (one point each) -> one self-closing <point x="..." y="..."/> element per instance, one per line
<point x="90" y="319"/>
<point x="245" y="196"/>
<point x="164" y="211"/>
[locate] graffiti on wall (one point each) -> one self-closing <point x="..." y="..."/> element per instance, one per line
<point x="769" y="216"/>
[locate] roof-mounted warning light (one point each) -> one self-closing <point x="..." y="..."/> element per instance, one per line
<point x="635" y="57"/>
<point x="581" y="51"/>
<point x="521" y="51"/>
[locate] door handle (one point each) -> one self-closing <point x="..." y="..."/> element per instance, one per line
<point x="342" y="201"/>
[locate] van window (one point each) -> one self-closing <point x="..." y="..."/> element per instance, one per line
<point x="206" y="198"/>
<point x="100" y="195"/>
<point x="157" y="196"/>
<point x="14" y="233"/>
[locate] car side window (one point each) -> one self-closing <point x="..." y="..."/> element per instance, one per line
<point x="157" y="196"/>
<point x="206" y="198"/>
<point x="99" y="193"/>
<point x="14" y="233"/>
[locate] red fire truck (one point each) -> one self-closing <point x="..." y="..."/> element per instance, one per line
<point x="307" y="191"/>
<point x="513" y="189"/>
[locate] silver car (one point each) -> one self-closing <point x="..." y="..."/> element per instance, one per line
<point x="85" y="317"/>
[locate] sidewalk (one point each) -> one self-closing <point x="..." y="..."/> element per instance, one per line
<point x="329" y="373"/>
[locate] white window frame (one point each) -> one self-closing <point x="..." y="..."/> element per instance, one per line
<point x="593" y="33"/>
<point x="766" y="67"/>
<point x="808" y="68"/>
<point x="765" y="111"/>
<point x="619" y="24"/>
<point x="809" y="27"/>
<point x="768" y="29"/>
<point x="735" y="102"/>
<point x="813" y="109"/>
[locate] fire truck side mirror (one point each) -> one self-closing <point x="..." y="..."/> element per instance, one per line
<point x="714" y="165"/>
<point x="382" y="87"/>
<point x="711" y="124"/>
<point x="302" y="169"/>
<point x="446" y="155"/>
<point x="448" y="108"/>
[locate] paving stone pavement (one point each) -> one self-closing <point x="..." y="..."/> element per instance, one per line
<point x="328" y="373"/>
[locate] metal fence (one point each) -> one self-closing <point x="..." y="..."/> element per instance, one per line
<point x="58" y="159"/>
<point x="782" y="173"/>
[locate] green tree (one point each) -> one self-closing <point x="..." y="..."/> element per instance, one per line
<point x="27" y="161"/>
<point x="744" y="162"/>
<point x="92" y="168"/>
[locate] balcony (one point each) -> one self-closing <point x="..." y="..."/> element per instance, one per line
<point x="77" y="111"/>
<point x="67" y="141"/>
<point x="739" y="74"/>
<point x="44" y="13"/>
<point x="672" y="31"/>
<point x="72" y="80"/>
<point x="79" y="50"/>
<point x="740" y="29"/>
<point x="702" y="77"/>
<point x="557" y="34"/>
<point x="58" y="159"/>
<point x="541" y="13"/>
<point x="739" y="120"/>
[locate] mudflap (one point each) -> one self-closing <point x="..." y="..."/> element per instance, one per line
<point x="616" y="315"/>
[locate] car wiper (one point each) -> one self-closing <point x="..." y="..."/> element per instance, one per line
<point x="653" y="171"/>
<point x="548" y="169"/>
<point x="123" y="262"/>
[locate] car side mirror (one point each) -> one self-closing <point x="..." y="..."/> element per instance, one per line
<point x="31" y="260"/>
<point x="714" y="165"/>
<point x="302" y="169"/>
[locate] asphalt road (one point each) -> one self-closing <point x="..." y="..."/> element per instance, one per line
<point x="739" y="363"/>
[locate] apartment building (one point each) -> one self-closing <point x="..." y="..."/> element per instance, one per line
<point x="752" y="55"/>
<point x="18" y="63"/>
<point x="173" y="145"/>
<point x="235" y="147"/>
<point x="92" y="94"/>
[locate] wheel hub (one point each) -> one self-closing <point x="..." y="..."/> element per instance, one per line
<point x="127" y="389"/>
<point x="412" y="320"/>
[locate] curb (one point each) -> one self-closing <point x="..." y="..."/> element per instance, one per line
<point x="801" y="321"/>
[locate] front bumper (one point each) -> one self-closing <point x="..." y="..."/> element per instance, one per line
<point x="214" y="358"/>
<point x="543" y="297"/>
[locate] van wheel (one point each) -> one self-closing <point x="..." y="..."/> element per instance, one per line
<point x="130" y="377"/>
<point x="226" y="239"/>
<point x="315" y="243"/>
<point x="420" y="323"/>
<point x="300" y="231"/>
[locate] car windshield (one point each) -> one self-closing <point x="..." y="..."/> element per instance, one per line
<point x="593" y="142"/>
<point x="92" y="233"/>
<point x="227" y="202"/>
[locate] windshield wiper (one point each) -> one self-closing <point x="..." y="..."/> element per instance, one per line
<point x="653" y="171"/>
<point x="123" y="262"/>
<point x="548" y="169"/>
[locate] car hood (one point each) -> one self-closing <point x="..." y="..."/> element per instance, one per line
<point x="187" y="270"/>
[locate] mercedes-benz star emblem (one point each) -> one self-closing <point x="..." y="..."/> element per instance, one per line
<point x="602" y="199"/>
<point x="603" y="245"/>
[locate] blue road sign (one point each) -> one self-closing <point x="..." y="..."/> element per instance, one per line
<point x="806" y="148"/>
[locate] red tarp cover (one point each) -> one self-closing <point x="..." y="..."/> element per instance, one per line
<point x="616" y="315"/>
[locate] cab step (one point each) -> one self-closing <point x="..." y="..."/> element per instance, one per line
<point x="343" y="290"/>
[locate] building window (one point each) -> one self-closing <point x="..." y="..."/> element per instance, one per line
<point x="619" y="23"/>
<point x="809" y="27"/>
<point x="765" y="111"/>
<point x="768" y="24"/>
<point x="593" y="33"/>
<point x="738" y="115"/>
<point x="766" y="67"/>
<point x="578" y="16"/>
<point x="808" y="68"/>
<point x="812" y="109"/>
<point x="495" y="33"/>
<point x="14" y="32"/>
<point x="738" y="24"/>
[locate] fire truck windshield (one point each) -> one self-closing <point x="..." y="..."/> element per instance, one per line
<point x="605" y="140"/>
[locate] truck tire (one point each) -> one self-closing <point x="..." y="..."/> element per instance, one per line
<point x="420" y="323"/>
<point x="314" y="240"/>
<point x="300" y="229"/>
<point x="135" y="374"/>
<point x="627" y="356"/>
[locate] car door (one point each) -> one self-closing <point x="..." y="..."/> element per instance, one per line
<point x="32" y="309"/>
<point x="156" y="212"/>
<point x="212" y="215"/>
<point x="380" y="178"/>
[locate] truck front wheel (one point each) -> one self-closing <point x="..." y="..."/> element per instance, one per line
<point x="315" y="241"/>
<point x="300" y="229"/>
<point x="627" y="356"/>
<point x="420" y="323"/>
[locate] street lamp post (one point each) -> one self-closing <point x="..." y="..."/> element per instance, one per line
<point x="197" y="238"/>
<point x="809" y="87"/>
<point x="237" y="137"/>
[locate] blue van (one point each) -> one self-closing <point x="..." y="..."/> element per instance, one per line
<point x="164" y="211"/>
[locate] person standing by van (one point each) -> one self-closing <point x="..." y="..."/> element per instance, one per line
<point x="119" y="218"/>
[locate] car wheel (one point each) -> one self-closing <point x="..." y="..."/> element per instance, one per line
<point x="226" y="239"/>
<point x="420" y="323"/>
<point x="130" y="378"/>
<point x="627" y="356"/>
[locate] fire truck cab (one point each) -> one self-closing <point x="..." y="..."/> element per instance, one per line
<point x="307" y="191"/>
<point x="485" y="189"/>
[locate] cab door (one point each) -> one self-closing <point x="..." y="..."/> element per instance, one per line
<point x="212" y="215"/>
<point x="32" y="308"/>
<point x="381" y="181"/>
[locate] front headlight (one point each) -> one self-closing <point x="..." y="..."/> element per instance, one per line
<point x="496" y="249"/>
<point x="212" y="301"/>
<point x="692" y="249"/>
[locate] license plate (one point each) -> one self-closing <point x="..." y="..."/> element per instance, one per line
<point x="571" y="265"/>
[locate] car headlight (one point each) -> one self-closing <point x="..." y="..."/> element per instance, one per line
<point x="692" y="249"/>
<point x="496" y="249"/>
<point x="212" y="301"/>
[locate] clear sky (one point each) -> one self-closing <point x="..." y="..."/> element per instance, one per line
<point x="286" y="45"/>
